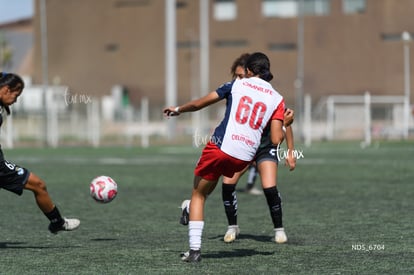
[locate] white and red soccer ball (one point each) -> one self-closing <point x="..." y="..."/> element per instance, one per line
<point x="103" y="189"/>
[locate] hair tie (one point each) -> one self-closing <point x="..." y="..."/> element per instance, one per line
<point x="3" y="74"/>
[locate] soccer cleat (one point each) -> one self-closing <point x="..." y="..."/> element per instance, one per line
<point x="191" y="256"/>
<point x="280" y="235"/>
<point x="231" y="233"/>
<point x="185" y="216"/>
<point x="68" y="225"/>
<point x="254" y="191"/>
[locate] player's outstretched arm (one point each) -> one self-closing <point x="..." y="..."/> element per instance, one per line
<point x="193" y="105"/>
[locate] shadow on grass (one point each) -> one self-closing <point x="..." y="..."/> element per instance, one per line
<point x="21" y="245"/>
<point x="257" y="238"/>
<point x="103" y="239"/>
<point x="236" y="253"/>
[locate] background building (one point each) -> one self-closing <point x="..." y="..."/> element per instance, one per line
<point x="16" y="46"/>
<point x="319" y="48"/>
<point x="349" y="46"/>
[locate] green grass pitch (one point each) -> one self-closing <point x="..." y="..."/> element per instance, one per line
<point x="347" y="210"/>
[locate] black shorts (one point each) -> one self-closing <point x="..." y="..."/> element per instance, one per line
<point x="270" y="153"/>
<point x="13" y="177"/>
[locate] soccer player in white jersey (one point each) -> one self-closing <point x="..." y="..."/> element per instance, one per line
<point x="14" y="178"/>
<point x="252" y="103"/>
<point x="266" y="159"/>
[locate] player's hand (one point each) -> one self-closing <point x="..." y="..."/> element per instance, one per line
<point x="171" y="111"/>
<point x="288" y="118"/>
<point x="290" y="160"/>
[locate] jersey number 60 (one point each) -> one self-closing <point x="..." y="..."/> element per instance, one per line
<point x="249" y="112"/>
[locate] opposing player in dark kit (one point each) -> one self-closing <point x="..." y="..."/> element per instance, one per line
<point x="15" y="178"/>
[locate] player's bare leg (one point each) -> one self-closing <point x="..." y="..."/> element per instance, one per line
<point x="46" y="205"/>
<point x="201" y="189"/>
<point x="38" y="187"/>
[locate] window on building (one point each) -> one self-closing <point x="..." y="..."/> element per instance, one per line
<point x="353" y="6"/>
<point x="280" y="8"/>
<point x="291" y="8"/>
<point x="188" y="44"/>
<point x="181" y="4"/>
<point x="316" y="7"/>
<point x="230" y="43"/>
<point x="131" y="3"/>
<point x="111" y="47"/>
<point x="394" y="36"/>
<point x="225" y="10"/>
<point x="282" y="46"/>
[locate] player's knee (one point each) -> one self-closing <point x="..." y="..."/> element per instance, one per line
<point x="41" y="185"/>
<point x="36" y="184"/>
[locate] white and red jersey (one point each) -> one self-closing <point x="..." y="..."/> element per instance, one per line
<point x="251" y="104"/>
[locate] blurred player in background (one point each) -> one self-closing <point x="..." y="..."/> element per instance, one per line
<point x="251" y="181"/>
<point x="15" y="178"/>
<point x="251" y="103"/>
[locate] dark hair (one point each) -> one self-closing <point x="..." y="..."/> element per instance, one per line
<point x="259" y="64"/>
<point x="13" y="81"/>
<point x="240" y="61"/>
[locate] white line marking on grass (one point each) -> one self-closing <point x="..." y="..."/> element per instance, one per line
<point x="105" y="161"/>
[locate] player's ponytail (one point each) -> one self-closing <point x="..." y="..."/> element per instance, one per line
<point x="258" y="63"/>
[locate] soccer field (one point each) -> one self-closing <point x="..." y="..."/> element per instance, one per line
<point x="347" y="210"/>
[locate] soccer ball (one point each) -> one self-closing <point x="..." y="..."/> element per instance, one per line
<point x="103" y="189"/>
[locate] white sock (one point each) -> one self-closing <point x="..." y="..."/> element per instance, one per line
<point x="195" y="230"/>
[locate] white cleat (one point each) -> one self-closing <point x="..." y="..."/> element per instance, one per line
<point x="68" y="225"/>
<point x="280" y="235"/>
<point x="255" y="191"/>
<point x="231" y="233"/>
<point x="71" y="224"/>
